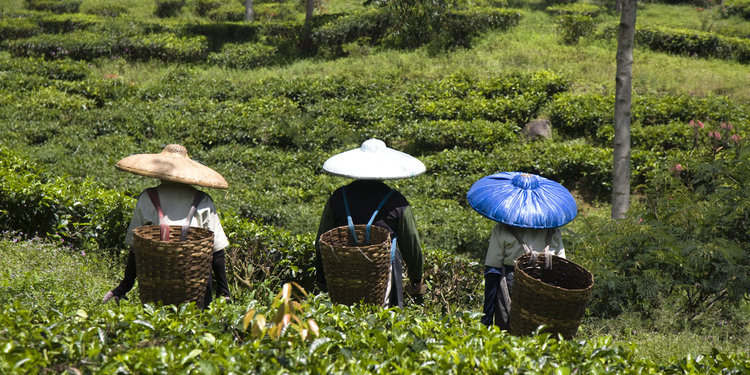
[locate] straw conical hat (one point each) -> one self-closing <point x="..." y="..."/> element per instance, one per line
<point x="374" y="161"/>
<point x="172" y="164"/>
<point x="523" y="200"/>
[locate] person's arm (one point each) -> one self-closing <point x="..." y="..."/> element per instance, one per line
<point x="557" y="243"/>
<point x="410" y="246"/>
<point x="326" y="224"/>
<point x="129" y="280"/>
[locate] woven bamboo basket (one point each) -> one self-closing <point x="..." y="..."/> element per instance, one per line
<point x="174" y="271"/>
<point x="555" y="298"/>
<point x="356" y="273"/>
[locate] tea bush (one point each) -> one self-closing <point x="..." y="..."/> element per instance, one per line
<point x="168" y="8"/>
<point x="585" y="9"/>
<point x="54" y="6"/>
<point x="17" y="28"/>
<point x="107" y="10"/>
<point x="697" y="43"/>
<point x="573" y="27"/>
<point x="231" y="11"/>
<point x="244" y="56"/>
<point x="740" y="7"/>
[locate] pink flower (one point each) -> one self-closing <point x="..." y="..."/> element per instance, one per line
<point x="678" y="168"/>
<point x="725" y="126"/>
<point x="715" y="135"/>
<point x="700" y="124"/>
<point x="735" y="138"/>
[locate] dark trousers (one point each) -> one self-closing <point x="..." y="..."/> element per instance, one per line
<point x="495" y="310"/>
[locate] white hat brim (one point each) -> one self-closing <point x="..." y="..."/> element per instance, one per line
<point x="374" y="163"/>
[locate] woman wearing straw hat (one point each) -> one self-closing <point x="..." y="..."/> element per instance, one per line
<point x="171" y="203"/>
<point x="529" y="211"/>
<point x="368" y="200"/>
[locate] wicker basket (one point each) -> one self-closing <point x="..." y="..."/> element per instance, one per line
<point x="176" y="271"/>
<point x="356" y="273"/>
<point x="556" y="297"/>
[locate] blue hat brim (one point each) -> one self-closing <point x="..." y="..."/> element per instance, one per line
<point x="530" y="202"/>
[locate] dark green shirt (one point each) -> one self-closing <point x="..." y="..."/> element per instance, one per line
<point x="396" y="216"/>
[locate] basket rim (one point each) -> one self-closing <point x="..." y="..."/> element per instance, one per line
<point x="207" y="233"/>
<point x="590" y="276"/>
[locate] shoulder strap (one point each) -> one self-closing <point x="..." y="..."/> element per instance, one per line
<point x="349" y="220"/>
<point x="163" y="227"/>
<point x="372" y="218"/>
<point x="197" y="200"/>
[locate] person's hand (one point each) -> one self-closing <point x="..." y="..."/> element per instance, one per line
<point x="109" y="296"/>
<point x="415" y="288"/>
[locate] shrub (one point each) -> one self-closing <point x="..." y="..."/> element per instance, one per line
<point x="575" y="8"/>
<point x="573" y="27"/>
<point x="740" y="7"/>
<point x="426" y="136"/>
<point x="17" y="28"/>
<point x="694" y="43"/>
<point x="332" y="36"/>
<point x="243" y="56"/>
<point x="107" y="9"/>
<point x="168" y="8"/>
<point x="202" y="7"/>
<point x="54" y="6"/>
<point x="64" y="23"/>
<point x="463" y="26"/>
<point x="166" y="47"/>
<point x="79" y="45"/>
<point x="287" y="11"/>
<point x="55" y="70"/>
<point x="227" y="12"/>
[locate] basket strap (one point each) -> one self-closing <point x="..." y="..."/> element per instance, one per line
<point x="369" y="223"/>
<point x="163" y="227"/>
<point x="534" y="254"/>
<point x="185" y="227"/>
<point x="349" y="220"/>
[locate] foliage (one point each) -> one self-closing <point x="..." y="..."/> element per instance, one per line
<point x="54" y="6"/>
<point x="233" y="11"/>
<point x="285" y="318"/>
<point x="575" y="26"/>
<point x="243" y="56"/>
<point x="585" y="9"/>
<point x="694" y="43"/>
<point x="740" y="7"/>
<point x="688" y="244"/>
<point x="168" y="8"/>
<point x="107" y="9"/>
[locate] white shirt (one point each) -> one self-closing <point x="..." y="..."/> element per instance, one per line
<point x="504" y="248"/>
<point x="175" y="200"/>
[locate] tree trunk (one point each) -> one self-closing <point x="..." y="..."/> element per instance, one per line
<point x="623" y="92"/>
<point x="309" y="6"/>
<point x="249" y="12"/>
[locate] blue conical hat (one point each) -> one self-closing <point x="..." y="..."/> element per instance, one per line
<point x="523" y="200"/>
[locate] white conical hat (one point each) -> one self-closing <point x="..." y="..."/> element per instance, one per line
<point x="374" y="161"/>
<point x="172" y="164"/>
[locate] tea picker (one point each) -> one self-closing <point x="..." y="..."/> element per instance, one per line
<point x="526" y="245"/>
<point x="175" y="234"/>
<point x="367" y="230"/>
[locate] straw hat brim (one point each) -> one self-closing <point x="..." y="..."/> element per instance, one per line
<point x="172" y="164"/>
<point x="545" y="205"/>
<point x="374" y="161"/>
